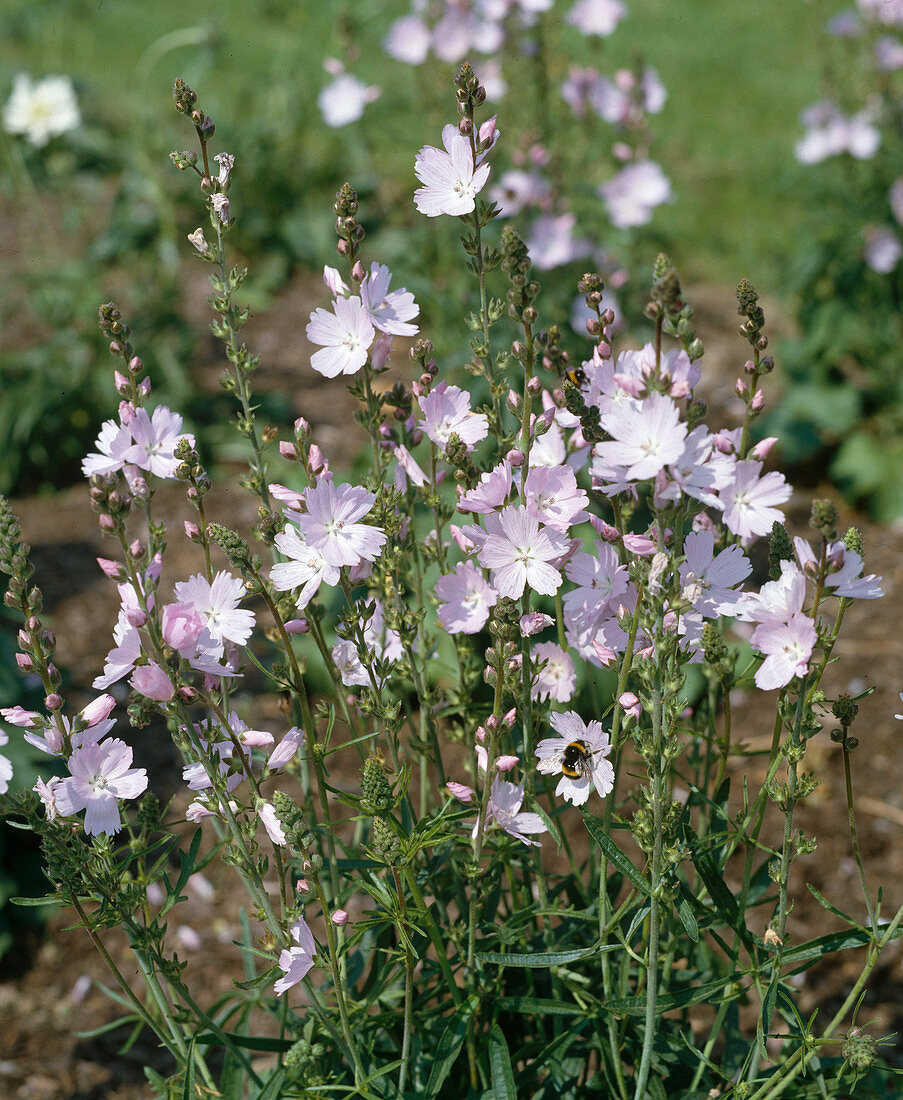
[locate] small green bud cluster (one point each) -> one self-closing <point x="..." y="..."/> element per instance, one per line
<point x="235" y="548"/>
<point x="348" y="229"/>
<point x="191" y="470"/>
<point x="748" y="307"/>
<point x="852" y="540"/>
<point x="824" y="517"/>
<point x="860" y="1049"/>
<point x="469" y="93"/>
<point x="516" y="265"/>
<point x="780" y="548"/>
<point x="186" y="104"/>
<point x="845" y="709"/>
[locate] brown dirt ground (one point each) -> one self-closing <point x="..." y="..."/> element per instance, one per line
<point x="42" y="1056"/>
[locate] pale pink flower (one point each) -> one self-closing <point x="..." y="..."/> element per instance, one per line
<point x="709" y="580"/>
<point x="534" y="622"/>
<point x="598" y="17"/>
<point x="152" y="682"/>
<point x="592" y="765"/>
<point x="646" y="436"/>
<point x="287" y="749"/>
<point x="505" y="801"/>
<point x="450" y="179"/>
<point x="492" y="492"/>
<point x="112" y="444"/>
<point x="846" y="566"/>
<point x="408" y="40"/>
<point x="217" y="604"/>
<point x="882" y="249"/>
<point x="557" y="679"/>
<point x="466" y="599"/>
<point x="552" y="242"/>
<point x="389" y="311"/>
<point x="6" y="767"/>
<point x="409" y="467"/>
<point x="750" y="499"/>
<point x="777" y="601"/>
<point x="47" y="794"/>
<point x="306" y="569"/>
<point x="518" y="553"/>
<point x="155" y="438"/>
<point x="330" y="524"/>
<point x="99" y="775"/>
<point x="343" y="100"/>
<point x="345" y="335"/>
<point x="446" y="412"/>
<point x="632" y="195"/>
<point x="518" y="189"/>
<point x="787" y="647"/>
<point x="296" y="962"/>
<point x="272" y="824"/>
<point x="181" y="627"/>
<point x="830" y="133"/>
<point x="552" y="495"/>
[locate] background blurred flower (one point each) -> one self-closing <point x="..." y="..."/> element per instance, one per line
<point x="43" y="110"/>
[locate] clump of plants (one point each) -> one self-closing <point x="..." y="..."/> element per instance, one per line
<point x="541" y="881"/>
<point x="845" y="395"/>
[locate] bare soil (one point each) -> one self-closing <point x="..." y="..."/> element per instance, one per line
<point x="44" y="1006"/>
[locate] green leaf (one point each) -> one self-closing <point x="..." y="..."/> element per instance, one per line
<point x="188" y="1089"/>
<point x="272" y="1090"/>
<point x="765" y="1016"/>
<point x="539" y="961"/>
<point x="685" y="912"/>
<point x="683" y="998"/>
<point x="833" y="908"/>
<point x="32" y="903"/>
<point x="449" y="1047"/>
<point x="248" y="1042"/>
<point x="189" y="863"/>
<point x="502" y="1075"/>
<point x="826" y="945"/>
<point x="614" y="854"/>
<point x="539" y="1006"/>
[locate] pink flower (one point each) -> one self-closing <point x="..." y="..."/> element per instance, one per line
<point x="181" y="627"/>
<point x="151" y="681"/>
<point x="408" y="40"/>
<point x="330" y="524"/>
<point x="466" y="599"/>
<point x="518" y="553"/>
<point x="552" y="496"/>
<point x="787" y="647"/>
<point x="492" y="492"/>
<point x="272" y="824"/>
<point x="307" y="568"/>
<point x="646" y="436"/>
<point x="709" y="581"/>
<point x="155" y="438"/>
<point x="6" y="768"/>
<point x="287" y="749"/>
<point x="534" y="622"/>
<point x="345" y="335"/>
<point x="505" y="801"/>
<point x="599" y="17"/>
<point x="99" y="775"/>
<point x="216" y="603"/>
<point x="339" y="918"/>
<point x="388" y="312"/>
<point x="633" y="194"/>
<point x="557" y="678"/>
<point x="296" y="962"/>
<point x="750" y="498"/>
<point x="465" y="794"/>
<point x="446" y="412"/>
<point x="450" y="180"/>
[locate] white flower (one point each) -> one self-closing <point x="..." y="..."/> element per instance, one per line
<point x="579" y="755"/>
<point x="345" y="336"/>
<point x="43" y="110"/>
<point x="451" y="183"/>
<point x="633" y="194"/>
<point x="344" y="100"/>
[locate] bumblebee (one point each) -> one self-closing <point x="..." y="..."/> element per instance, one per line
<point x="576" y="376"/>
<point x="575" y="760"/>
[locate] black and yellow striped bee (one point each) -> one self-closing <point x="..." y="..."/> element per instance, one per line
<point x="575" y="760"/>
<point x="576" y="376"/>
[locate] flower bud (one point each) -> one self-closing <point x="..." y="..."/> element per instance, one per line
<point x="53" y="701"/>
<point x="339" y="918"/>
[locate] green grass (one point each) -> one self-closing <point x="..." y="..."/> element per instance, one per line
<point x="737" y="74"/>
